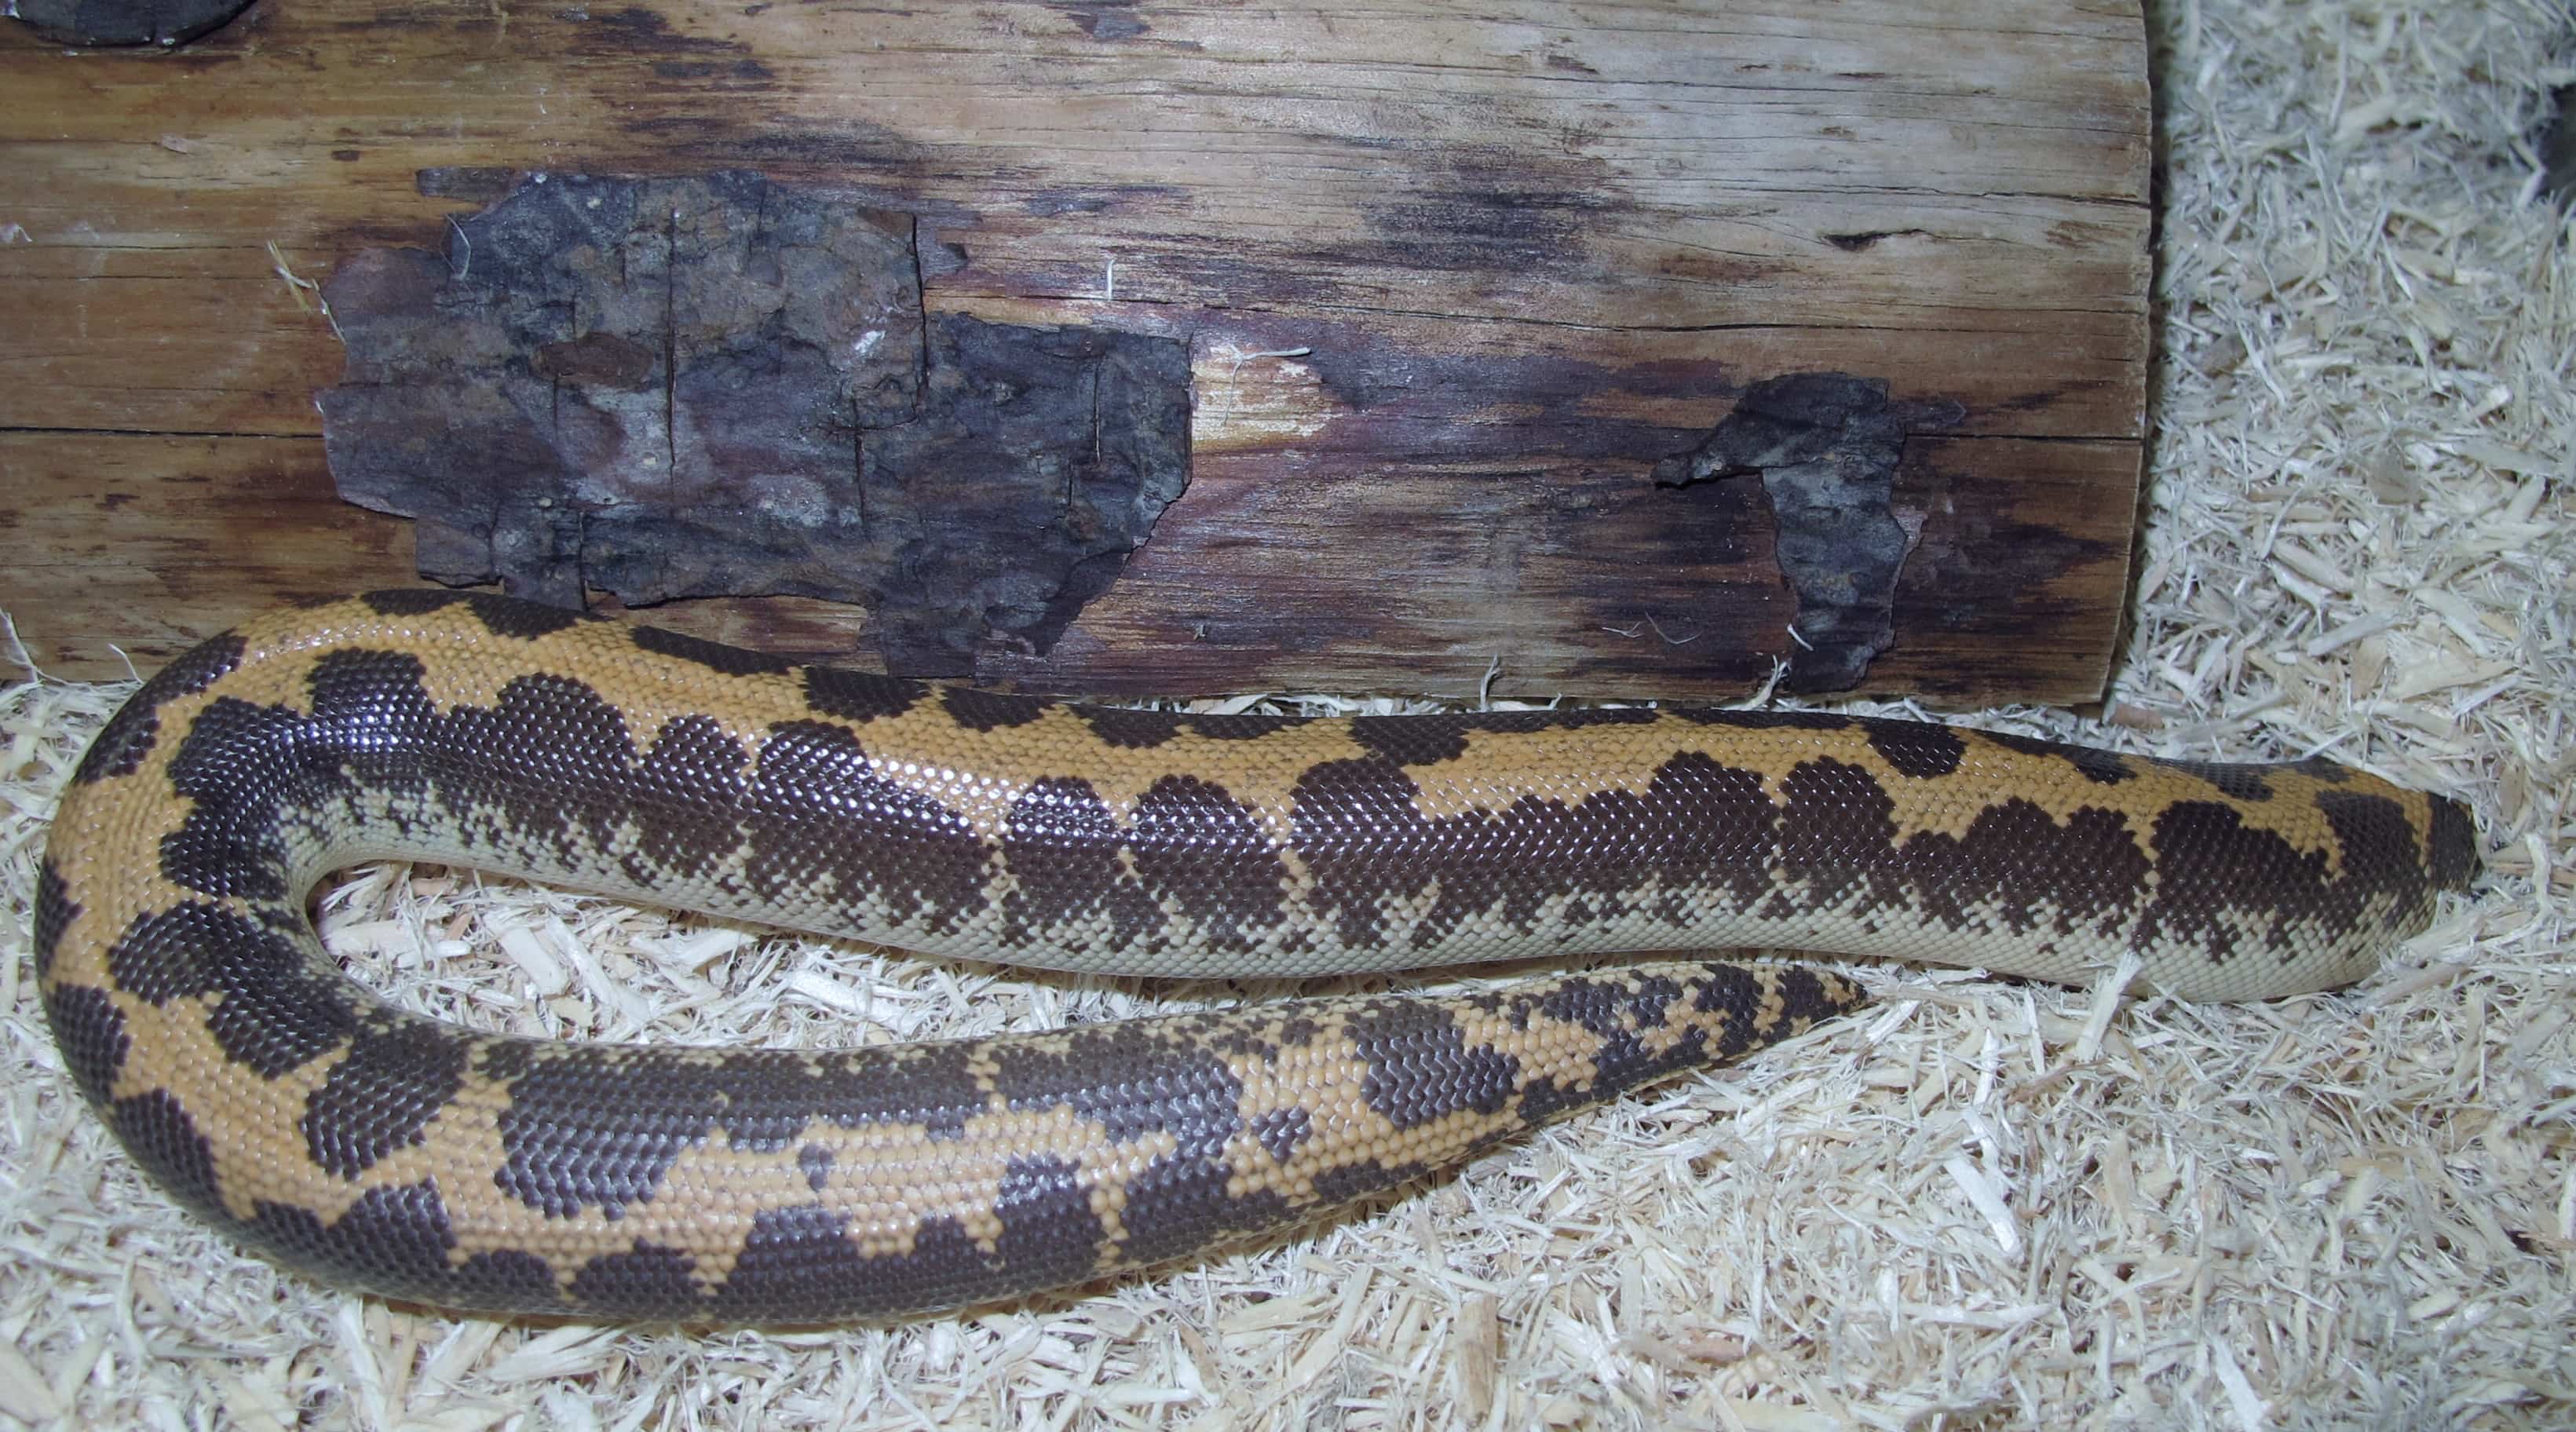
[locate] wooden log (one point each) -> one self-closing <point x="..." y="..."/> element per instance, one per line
<point x="1451" y="286"/>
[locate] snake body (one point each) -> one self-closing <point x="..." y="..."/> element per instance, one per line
<point x="199" y="1013"/>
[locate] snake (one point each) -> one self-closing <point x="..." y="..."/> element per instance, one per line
<point x="372" y="1147"/>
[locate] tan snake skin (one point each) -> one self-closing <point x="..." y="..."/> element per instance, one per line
<point x="200" y="1015"/>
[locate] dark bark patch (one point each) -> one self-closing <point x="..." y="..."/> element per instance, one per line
<point x="91" y="24"/>
<point x="756" y="380"/>
<point x="1827" y="447"/>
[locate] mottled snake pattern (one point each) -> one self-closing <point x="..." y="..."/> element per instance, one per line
<point x="199" y="1013"/>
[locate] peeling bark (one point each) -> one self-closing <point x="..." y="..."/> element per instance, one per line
<point x="1827" y="447"/>
<point x="675" y="388"/>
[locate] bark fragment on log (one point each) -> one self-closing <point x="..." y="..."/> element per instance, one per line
<point x="721" y="386"/>
<point x="123" y="22"/>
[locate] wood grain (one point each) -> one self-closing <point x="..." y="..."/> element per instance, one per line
<point x="1526" y="250"/>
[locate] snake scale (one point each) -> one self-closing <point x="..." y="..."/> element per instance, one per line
<point x="199" y="1013"/>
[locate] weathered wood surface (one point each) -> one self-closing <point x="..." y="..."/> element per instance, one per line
<point x="1522" y="254"/>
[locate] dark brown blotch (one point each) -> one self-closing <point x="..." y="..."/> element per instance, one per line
<point x="521" y="620"/>
<point x="599" y="1128"/>
<point x="399" y="1074"/>
<point x="2016" y="860"/>
<point x="1431" y="738"/>
<point x="797" y="1265"/>
<point x="1196" y="847"/>
<point x="1239" y="726"/>
<point x="1130" y="1078"/>
<point x="501" y="616"/>
<point x="410" y="601"/>
<point x="713" y="655"/>
<point x="1837" y="832"/>
<point x="1050" y="1235"/>
<point x="2105" y="768"/>
<point x="392" y="1241"/>
<point x="587" y="1129"/>
<point x="815" y="1162"/>
<point x="2210" y="865"/>
<point x="1421" y="1067"/>
<point x="818" y="809"/>
<point x="1283" y="1131"/>
<point x="981" y="711"/>
<point x="1616" y="1010"/>
<point x="858" y="696"/>
<point x="1356" y="826"/>
<point x="506" y="1280"/>
<point x="129" y="735"/>
<point x="1809" y="997"/>
<point x="54" y="913"/>
<point x="558" y="763"/>
<point x="277" y="1011"/>
<point x="2243" y="780"/>
<point x="1179" y="1203"/>
<point x="685" y="792"/>
<point x="1917" y="748"/>
<point x="1138" y="730"/>
<point x="648" y="1281"/>
<point x="1351" y="1182"/>
<point x="1061" y="843"/>
<point x="239" y="766"/>
<point x="2451" y="844"/>
<point x="159" y="1134"/>
<point x="1130" y="730"/>
<point x="90" y="1032"/>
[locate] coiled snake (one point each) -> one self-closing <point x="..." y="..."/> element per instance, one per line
<point x="199" y="1013"/>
